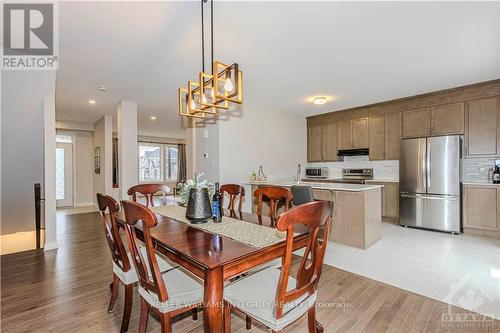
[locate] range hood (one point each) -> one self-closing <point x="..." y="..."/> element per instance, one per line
<point x="353" y="152"/>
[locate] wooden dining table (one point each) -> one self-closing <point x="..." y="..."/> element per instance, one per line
<point x="214" y="258"/>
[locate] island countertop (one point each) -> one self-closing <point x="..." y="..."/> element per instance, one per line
<point x="323" y="186"/>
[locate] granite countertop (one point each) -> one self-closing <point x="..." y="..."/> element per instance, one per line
<point x="324" y="186"/>
<point x="479" y="182"/>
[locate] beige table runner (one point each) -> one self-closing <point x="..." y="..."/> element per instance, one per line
<point x="245" y="232"/>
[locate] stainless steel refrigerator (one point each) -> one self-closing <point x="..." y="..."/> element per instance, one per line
<point x="429" y="172"/>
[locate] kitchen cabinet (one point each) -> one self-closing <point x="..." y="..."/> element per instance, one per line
<point x="447" y="119"/>
<point x="345" y="134"/>
<point x="482" y="127"/>
<point x="390" y="199"/>
<point x="392" y="135"/>
<point x="417" y="123"/>
<point x="481" y="207"/>
<point x="315" y="143"/>
<point x="330" y="142"/>
<point x="377" y="138"/>
<point x="360" y="133"/>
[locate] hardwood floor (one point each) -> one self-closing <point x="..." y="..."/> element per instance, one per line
<point x="68" y="291"/>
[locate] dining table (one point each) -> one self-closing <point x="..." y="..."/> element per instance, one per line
<point x="213" y="258"/>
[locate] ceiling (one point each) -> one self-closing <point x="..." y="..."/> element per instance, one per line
<point x="355" y="53"/>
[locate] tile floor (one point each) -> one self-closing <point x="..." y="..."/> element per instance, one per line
<point x="461" y="270"/>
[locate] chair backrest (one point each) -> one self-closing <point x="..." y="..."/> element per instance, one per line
<point x="302" y="194"/>
<point x="233" y="190"/>
<point x="148" y="190"/>
<point x="314" y="216"/>
<point x="108" y="205"/>
<point x="275" y="195"/>
<point x="134" y="213"/>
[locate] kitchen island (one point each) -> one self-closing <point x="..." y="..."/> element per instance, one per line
<point x="357" y="210"/>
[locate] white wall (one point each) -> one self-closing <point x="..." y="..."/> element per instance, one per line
<point x="207" y="155"/>
<point x="127" y="147"/>
<point x="103" y="136"/>
<point x="22" y="153"/>
<point x="84" y="169"/>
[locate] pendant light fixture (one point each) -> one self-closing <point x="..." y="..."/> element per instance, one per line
<point x="215" y="90"/>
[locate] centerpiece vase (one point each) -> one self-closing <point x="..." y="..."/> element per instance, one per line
<point x="198" y="208"/>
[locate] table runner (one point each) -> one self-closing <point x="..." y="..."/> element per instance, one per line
<point x="245" y="232"/>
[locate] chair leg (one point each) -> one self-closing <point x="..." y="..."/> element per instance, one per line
<point x="227" y="318"/>
<point x="249" y="322"/>
<point x="314" y="325"/>
<point x="194" y="314"/>
<point x="143" y="318"/>
<point x="127" y="309"/>
<point x="166" y="326"/>
<point x="115" y="285"/>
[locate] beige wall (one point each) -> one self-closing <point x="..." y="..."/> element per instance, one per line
<point x="84" y="169"/>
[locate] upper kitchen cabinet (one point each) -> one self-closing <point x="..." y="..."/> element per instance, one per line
<point x="417" y="123"/>
<point x="360" y="133"/>
<point x="315" y="143"/>
<point x="345" y="134"/>
<point x="392" y="135"/>
<point x="377" y="137"/>
<point x="482" y="127"/>
<point x="447" y="119"/>
<point x="330" y="142"/>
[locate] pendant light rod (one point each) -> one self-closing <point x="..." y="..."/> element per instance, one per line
<point x="212" y="32"/>
<point x="202" y="38"/>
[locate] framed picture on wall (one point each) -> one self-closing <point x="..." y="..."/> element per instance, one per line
<point x="97" y="160"/>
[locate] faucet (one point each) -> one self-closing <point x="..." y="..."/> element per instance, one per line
<point x="298" y="174"/>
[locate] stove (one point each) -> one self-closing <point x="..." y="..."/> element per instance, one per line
<point x="355" y="176"/>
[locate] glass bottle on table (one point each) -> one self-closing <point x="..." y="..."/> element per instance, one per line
<point x="216" y="205"/>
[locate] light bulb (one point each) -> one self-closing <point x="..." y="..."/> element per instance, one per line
<point x="228" y="86"/>
<point x="192" y="105"/>
<point x="212" y="93"/>
<point x="203" y="99"/>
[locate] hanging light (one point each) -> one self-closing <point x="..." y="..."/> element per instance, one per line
<point x="223" y="84"/>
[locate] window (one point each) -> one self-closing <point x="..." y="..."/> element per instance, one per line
<point x="158" y="162"/>
<point x="171" y="154"/>
<point x="150" y="163"/>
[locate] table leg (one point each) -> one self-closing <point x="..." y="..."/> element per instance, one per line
<point x="214" y="290"/>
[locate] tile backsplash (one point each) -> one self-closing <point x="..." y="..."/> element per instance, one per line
<point x="388" y="170"/>
<point x="476" y="169"/>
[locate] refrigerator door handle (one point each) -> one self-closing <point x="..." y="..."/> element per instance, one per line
<point x="429" y="197"/>
<point x="428" y="167"/>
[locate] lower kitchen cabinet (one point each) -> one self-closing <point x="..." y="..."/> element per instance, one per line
<point x="390" y="199"/>
<point x="481" y="207"/>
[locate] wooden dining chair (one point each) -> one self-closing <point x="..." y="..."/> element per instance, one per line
<point x="233" y="190"/>
<point x="184" y="293"/>
<point x="272" y="296"/>
<point x="274" y="194"/>
<point x="148" y="190"/>
<point x="122" y="270"/>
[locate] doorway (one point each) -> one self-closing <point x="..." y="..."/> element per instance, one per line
<point x="64" y="171"/>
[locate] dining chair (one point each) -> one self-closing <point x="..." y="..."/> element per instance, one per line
<point x="272" y="296"/>
<point x="122" y="270"/>
<point x="184" y="293"/>
<point x="274" y="194"/>
<point x="302" y="194"/>
<point x="233" y="190"/>
<point x="148" y="190"/>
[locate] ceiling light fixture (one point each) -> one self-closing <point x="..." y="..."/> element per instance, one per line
<point x="152" y="118"/>
<point x="213" y="90"/>
<point x="320" y="100"/>
<point x="102" y="89"/>
<point x="91" y="101"/>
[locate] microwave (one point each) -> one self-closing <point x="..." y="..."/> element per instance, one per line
<point x="317" y="172"/>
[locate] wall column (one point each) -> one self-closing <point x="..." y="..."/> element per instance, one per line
<point x="127" y="147"/>
<point x="49" y="112"/>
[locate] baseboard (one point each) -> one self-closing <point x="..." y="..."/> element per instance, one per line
<point x="50" y="246"/>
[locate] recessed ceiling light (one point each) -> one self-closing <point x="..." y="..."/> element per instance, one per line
<point x="152" y="118"/>
<point x="102" y="88"/>
<point x="91" y="101"/>
<point x="319" y="100"/>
